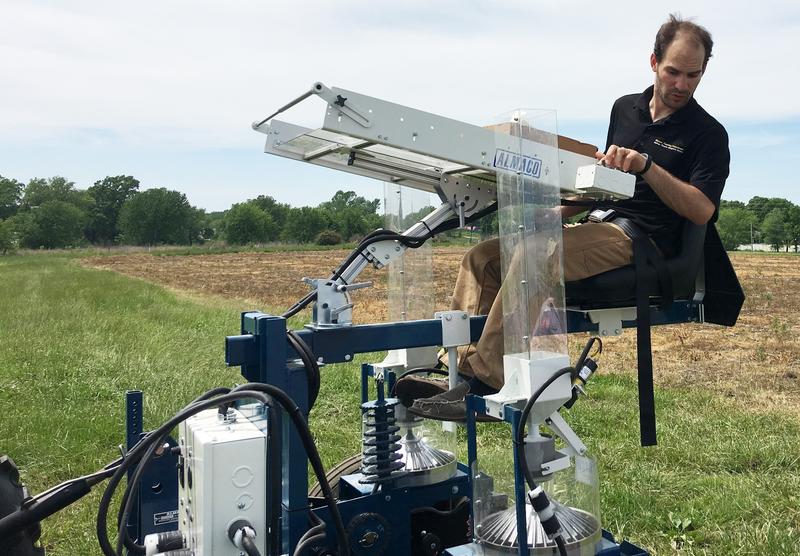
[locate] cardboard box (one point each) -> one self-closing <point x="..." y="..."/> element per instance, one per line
<point x="565" y="143"/>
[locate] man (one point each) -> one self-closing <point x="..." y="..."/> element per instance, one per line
<point x="680" y="156"/>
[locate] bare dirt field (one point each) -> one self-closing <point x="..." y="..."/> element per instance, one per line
<point x="756" y="363"/>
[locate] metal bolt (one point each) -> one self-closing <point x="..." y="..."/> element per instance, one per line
<point x="386" y="257"/>
<point x="397" y="248"/>
<point x="388" y="498"/>
<point x="448" y="317"/>
<point x="240" y="505"/>
<point x="454" y="490"/>
<point x="464" y="316"/>
<point x="348" y="357"/>
<point x="380" y="136"/>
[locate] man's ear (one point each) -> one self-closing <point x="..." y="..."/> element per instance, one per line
<point x="653" y="61"/>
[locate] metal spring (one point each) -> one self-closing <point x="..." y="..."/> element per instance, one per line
<point x="380" y="443"/>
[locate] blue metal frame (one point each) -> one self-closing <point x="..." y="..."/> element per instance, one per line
<point x="262" y="352"/>
<point x="155" y="508"/>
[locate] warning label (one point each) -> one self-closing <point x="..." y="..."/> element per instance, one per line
<point x="163" y="518"/>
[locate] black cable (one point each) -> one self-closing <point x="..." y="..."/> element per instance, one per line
<point x="585" y="353"/>
<point x="249" y="546"/>
<point x="297" y="417"/>
<point x="519" y="441"/>
<point x="562" y="547"/>
<point x="381" y="235"/>
<point x="126" y="503"/>
<point x="519" y="444"/>
<point x="316" y="533"/>
<point x="309" y="362"/>
<point x="135" y="454"/>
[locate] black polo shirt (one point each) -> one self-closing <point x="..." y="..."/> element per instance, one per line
<point x="689" y="144"/>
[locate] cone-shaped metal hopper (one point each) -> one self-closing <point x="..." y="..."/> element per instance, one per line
<point x="425" y="464"/>
<point x="498" y="532"/>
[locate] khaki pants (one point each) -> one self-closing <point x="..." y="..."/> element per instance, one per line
<point x="589" y="249"/>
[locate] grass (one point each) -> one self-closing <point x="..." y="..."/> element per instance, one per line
<point x="72" y="340"/>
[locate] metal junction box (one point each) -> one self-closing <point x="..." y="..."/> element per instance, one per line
<point x="223" y="478"/>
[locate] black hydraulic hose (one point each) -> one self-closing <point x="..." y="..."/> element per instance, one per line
<point x="126" y="504"/>
<point x="309" y="362"/>
<point x="136" y="453"/>
<point x="381" y="235"/>
<point x="58" y="500"/>
<point x="297" y="417"/>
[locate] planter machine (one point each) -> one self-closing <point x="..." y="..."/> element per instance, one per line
<point x="242" y="455"/>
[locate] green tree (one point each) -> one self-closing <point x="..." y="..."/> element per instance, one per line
<point x="157" y="216"/>
<point x="304" y="224"/>
<point x="6" y="237"/>
<point x="731" y="204"/>
<point x="344" y="199"/>
<point x="774" y="229"/>
<point x="40" y="191"/>
<point x="352" y="215"/>
<point x="735" y="226"/>
<point x="53" y="224"/>
<point x="109" y="195"/>
<point x="10" y="197"/>
<point x="277" y="211"/>
<point x="247" y="223"/>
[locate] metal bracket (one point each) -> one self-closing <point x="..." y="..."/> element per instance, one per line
<point x="333" y="307"/>
<point x="337" y="102"/>
<point x="609" y="321"/>
<point x="466" y="195"/>
<point x="563" y="430"/>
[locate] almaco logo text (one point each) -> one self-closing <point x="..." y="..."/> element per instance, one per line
<point x="514" y="162"/>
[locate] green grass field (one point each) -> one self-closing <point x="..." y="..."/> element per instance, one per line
<point x="73" y="340"/>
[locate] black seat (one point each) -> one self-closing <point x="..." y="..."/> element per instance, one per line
<point x="617" y="288"/>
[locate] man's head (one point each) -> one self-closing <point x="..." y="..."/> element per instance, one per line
<point x="679" y="59"/>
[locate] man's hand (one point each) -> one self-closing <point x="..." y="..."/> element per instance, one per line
<point x="680" y="196"/>
<point x="620" y="158"/>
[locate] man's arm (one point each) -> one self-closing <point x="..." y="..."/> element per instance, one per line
<point x="680" y="196"/>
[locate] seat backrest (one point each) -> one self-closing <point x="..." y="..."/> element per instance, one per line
<point x="688" y="263"/>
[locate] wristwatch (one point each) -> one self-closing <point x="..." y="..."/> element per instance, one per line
<point x="647" y="163"/>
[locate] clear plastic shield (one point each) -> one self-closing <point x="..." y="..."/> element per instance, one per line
<point x="410" y="281"/>
<point x="529" y="198"/>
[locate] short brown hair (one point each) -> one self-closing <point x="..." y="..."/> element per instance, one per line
<point x="674" y="25"/>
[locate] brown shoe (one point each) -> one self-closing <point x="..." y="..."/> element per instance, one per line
<point x="447" y="406"/>
<point x="413" y="387"/>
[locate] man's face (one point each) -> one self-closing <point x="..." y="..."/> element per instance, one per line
<point x="679" y="72"/>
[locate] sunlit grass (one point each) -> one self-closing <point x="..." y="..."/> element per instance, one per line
<point x="73" y="340"/>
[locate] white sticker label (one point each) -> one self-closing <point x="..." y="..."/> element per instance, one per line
<point x="515" y="162"/>
<point x="163" y="518"/>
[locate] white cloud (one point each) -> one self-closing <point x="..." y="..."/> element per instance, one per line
<point x="198" y="72"/>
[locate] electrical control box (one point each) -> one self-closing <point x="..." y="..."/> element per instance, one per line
<point x="223" y="478"/>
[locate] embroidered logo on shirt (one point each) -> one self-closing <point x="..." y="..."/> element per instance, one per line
<point x="675" y="148"/>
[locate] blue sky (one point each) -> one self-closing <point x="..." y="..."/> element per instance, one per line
<point x="166" y="91"/>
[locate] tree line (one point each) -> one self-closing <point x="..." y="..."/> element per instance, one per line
<point x="52" y="213"/>
<point x="773" y="221"/>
